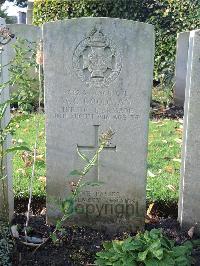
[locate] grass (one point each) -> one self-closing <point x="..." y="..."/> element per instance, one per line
<point x="22" y="168"/>
<point x="164" y="152"/>
<point x="163" y="160"/>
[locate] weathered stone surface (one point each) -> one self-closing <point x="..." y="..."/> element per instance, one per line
<point x="29" y="14"/>
<point x="21" y="18"/>
<point x="6" y="190"/>
<point x="181" y="67"/>
<point x="189" y="207"/>
<point x="27" y="32"/>
<point x="98" y="75"/>
<point x="32" y="34"/>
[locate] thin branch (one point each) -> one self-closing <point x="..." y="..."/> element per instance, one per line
<point x="37" y="125"/>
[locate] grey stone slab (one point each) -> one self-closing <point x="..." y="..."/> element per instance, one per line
<point x="25" y="32"/>
<point x="181" y="67"/>
<point x="98" y="75"/>
<point x="21" y="18"/>
<point x="29" y="14"/>
<point x="4" y="96"/>
<point x="189" y="207"/>
<point x="22" y="31"/>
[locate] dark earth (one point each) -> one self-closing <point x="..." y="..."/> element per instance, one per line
<point x="80" y="244"/>
<point x="171" y="111"/>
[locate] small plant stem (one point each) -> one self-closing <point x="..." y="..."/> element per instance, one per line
<point x="89" y="165"/>
<point x="32" y="176"/>
<point x="37" y="125"/>
<point x="85" y="170"/>
<point x="2" y="173"/>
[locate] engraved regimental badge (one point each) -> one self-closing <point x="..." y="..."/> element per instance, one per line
<point x="96" y="59"/>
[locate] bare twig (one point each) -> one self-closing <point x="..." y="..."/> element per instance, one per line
<point x="37" y="124"/>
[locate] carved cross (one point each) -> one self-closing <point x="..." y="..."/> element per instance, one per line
<point x="97" y="62"/>
<point x="95" y="147"/>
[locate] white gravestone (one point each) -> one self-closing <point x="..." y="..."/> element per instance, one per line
<point x="189" y="207"/>
<point x="6" y="189"/>
<point x="181" y="67"/>
<point x="98" y="75"/>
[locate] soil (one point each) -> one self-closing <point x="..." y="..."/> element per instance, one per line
<point x="80" y="244"/>
<point x="171" y="111"/>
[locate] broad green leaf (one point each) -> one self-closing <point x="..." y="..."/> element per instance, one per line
<point x="190" y="244"/>
<point x="117" y="245"/>
<point x="82" y="156"/>
<point x="180" y="251"/>
<point x="155" y="233"/>
<point x="3" y="108"/>
<point x="195" y="243"/>
<point x="167" y="260"/>
<point x="67" y="206"/>
<point x="155" y="245"/>
<point x="142" y="255"/>
<point x="118" y="263"/>
<point x="101" y="262"/>
<point x="158" y="253"/>
<point x="107" y="245"/>
<point x="183" y="261"/>
<point x="18" y="148"/>
<point x="110" y="256"/>
<point x="76" y="173"/>
<point x="134" y="245"/>
<point x="129" y="262"/>
<point x="152" y="262"/>
<point x="166" y="243"/>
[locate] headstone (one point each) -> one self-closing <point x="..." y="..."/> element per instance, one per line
<point x="98" y="75"/>
<point x="21" y="19"/>
<point x="13" y="19"/>
<point x="29" y="14"/>
<point x="30" y="33"/>
<point x="181" y="67"/>
<point x="189" y="207"/>
<point x="6" y="190"/>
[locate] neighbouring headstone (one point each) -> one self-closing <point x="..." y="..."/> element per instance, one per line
<point x="98" y="75"/>
<point x="21" y="18"/>
<point x="13" y="19"/>
<point x="189" y="207"/>
<point x="181" y="67"/>
<point x="6" y="189"/>
<point x="31" y="35"/>
<point x="29" y="14"/>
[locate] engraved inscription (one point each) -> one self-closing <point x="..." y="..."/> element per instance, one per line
<point x="103" y="105"/>
<point x="97" y="60"/>
<point x="103" y="203"/>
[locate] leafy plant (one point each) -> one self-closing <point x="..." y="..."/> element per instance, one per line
<point x="5" y="131"/>
<point x="67" y="205"/>
<point x="3" y="14"/>
<point x="6" y="244"/>
<point x="7" y="128"/>
<point x="150" y="248"/>
<point x="164" y="96"/>
<point x="23" y="81"/>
